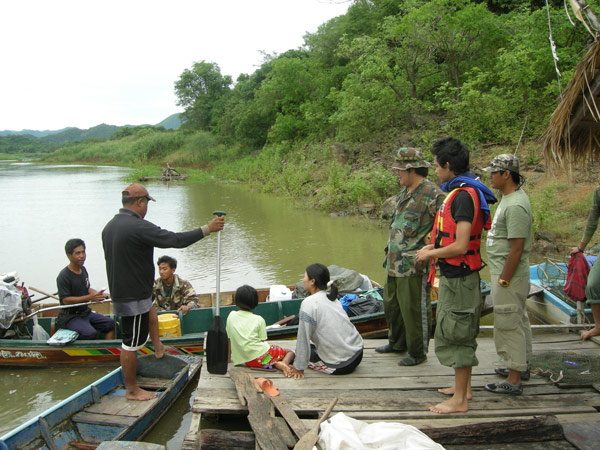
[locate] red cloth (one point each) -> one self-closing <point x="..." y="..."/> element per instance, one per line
<point x="577" y="273"/>
<point x="266" y="361"/>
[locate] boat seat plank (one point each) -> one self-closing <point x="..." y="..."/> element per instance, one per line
<point x="97" y="418"/>
<point x="118" y="404"/>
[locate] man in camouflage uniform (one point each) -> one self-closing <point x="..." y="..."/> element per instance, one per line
<point x="171" y="292"/>
<point x="406" y="292"/>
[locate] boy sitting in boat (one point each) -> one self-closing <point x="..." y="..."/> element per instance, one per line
<point x="73" y="288"/>
<point x="247" y="334"/>
<point x="170" y="291"/>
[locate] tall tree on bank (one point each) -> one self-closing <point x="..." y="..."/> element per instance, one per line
<point x="202" y="92"/>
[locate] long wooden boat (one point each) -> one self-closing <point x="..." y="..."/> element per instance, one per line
<point x="100" y="412"/>
<point x="28" y="352"/>
<point x="548" y="303"/>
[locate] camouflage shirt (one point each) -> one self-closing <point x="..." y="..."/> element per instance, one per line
<point x="182" y="294"/>
<point x="411" y="223"/>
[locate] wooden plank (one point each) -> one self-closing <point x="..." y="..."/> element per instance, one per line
<point x="89" y="417"/>
<point x="289" y="415"/>
<point x="270" y="432"/>
<point x="219" y="439"/>
<point x="544" y="428"/>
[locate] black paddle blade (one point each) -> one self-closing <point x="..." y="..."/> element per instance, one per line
<point x="216" y="347"/>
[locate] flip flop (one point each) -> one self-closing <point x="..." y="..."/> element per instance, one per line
<point x="267" y="386"/>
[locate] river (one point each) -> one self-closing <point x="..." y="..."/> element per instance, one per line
<point x="266" y="241"/>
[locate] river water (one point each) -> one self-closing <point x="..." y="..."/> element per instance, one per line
<point x="266" y="241"/>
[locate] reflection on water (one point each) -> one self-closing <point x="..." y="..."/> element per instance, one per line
<point x="29" y="392"/>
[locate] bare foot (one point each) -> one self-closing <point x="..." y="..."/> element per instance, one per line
<point x="140" y="395"/>
<point x="285" y="368"/>
<point x="159" y="352"/>
<point x="588" y="334"/>
<point x="451" y="390"/>
<point x="450" y="406"/>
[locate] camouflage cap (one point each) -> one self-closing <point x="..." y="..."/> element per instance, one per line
<point x="504" y="162"/>
<point x="409" y="158"/>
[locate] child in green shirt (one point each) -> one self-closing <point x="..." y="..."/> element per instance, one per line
<point x="247" y="334"/>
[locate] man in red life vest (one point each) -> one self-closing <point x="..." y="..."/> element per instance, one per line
<point x="456" y="240"/>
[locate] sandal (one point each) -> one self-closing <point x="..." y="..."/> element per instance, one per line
<point x="504" y="387"/>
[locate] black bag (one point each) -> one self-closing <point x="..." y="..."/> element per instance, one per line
<point x="366" y="305"/>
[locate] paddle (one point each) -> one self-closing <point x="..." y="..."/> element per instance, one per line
<point x="39" y="291"/>
<point x="308" y="441"/>
<point x="216" y="337"/>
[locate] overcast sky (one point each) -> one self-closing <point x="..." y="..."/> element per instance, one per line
<point x="85" y="62"/>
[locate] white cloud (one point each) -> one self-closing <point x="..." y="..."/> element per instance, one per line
<point x="84" y="62"/>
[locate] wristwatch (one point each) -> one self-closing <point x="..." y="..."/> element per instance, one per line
<point x="503" y="283"/>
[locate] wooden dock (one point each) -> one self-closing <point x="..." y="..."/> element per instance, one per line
<point x="380" y="390"/>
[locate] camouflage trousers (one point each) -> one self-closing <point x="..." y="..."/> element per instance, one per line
<point x="407" y="311"/>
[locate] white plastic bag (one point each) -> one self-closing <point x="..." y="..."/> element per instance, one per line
<point x="10" y="304"/>
<point x="345" y="433"/>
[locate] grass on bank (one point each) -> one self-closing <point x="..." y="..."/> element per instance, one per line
<point x="331" y="177"/>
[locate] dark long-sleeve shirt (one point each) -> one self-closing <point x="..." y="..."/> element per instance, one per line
<point x="129" y="243"/>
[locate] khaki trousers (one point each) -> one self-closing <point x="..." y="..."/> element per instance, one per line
<point x="512" y="330"/>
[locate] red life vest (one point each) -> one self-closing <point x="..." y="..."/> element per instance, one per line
<point x="444" y="230"/>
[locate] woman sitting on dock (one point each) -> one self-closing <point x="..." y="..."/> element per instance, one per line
<point x="336" y="347"/>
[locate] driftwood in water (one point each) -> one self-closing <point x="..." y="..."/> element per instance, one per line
<point x="542" y="428"/>
<point x="165" y="178"/>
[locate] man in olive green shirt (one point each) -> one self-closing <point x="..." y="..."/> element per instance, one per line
<point x="592" y="289"/>
<point x="406" y="299"/>
<point x="508" y="245"/>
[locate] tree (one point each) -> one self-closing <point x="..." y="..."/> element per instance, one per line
<point x="202" y="92"/>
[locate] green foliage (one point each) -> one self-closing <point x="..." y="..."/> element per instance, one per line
<point x="155" y="145"/>
<point x="202" y="92"/>
<point x="24" y="144"/>
<point x="543" y="205"/>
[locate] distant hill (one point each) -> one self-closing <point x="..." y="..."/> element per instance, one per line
<point x="172" y="122"/>
<point x="102" y="131"/>
<point x="34" y="133"/>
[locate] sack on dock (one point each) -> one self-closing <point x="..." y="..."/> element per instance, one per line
<point x="345" y="433"/>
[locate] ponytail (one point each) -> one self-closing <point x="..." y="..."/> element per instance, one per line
<point x="333" y="290"/>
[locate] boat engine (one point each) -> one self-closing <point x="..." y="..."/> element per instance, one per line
<point x="17" y="327"/>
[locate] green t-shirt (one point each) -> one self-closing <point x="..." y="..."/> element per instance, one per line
<point x="247" y="333"/>
<point x="513" y="220"/>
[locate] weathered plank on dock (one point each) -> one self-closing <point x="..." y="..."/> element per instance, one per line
<point x="272" y="433"/>
<point x="543" y="428"/>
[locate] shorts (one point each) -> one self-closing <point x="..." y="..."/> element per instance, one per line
<point x="457" y="317"/>
<point x="266" y="361"/>
<point x="134" y="331"/>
